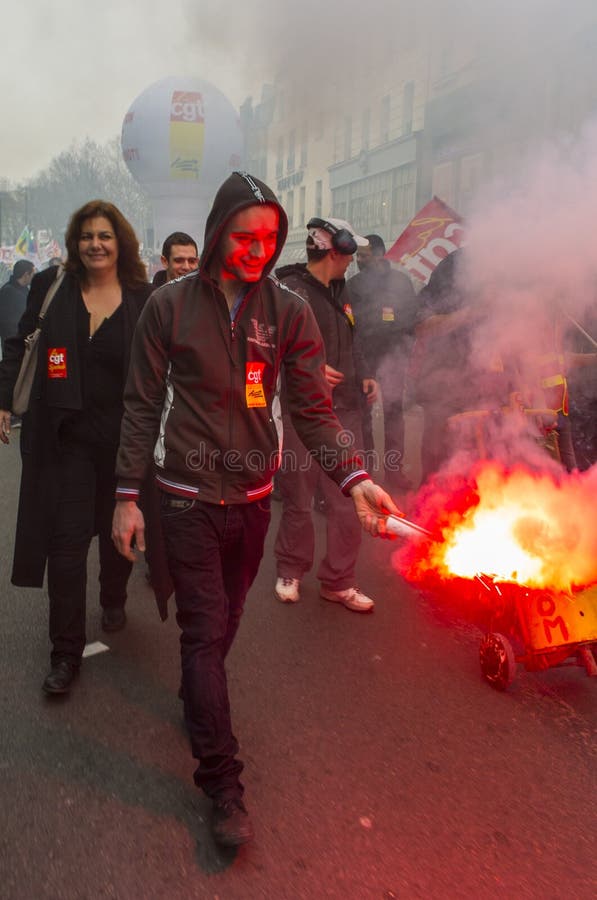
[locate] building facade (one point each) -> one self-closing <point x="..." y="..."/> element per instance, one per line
<point x="455" y="104"/>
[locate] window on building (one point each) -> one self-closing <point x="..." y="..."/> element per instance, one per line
<point x="280" y="158"/>
<point x="379" y="189"/>
<point x="384" y="121"/>
<point x="366" y="129"/>
<point x="442" y="183"/>
<point x="290" y="208"/>
<point x="318" y="198"/>
<point x="408" y="105"/>
<point x="403" y="198"/>
<point x="302" y="195"/>
<point x="340" y="203"/>
<point x="358" y="203"/>
<point x="291" y="151"/>
<point x="366" y="203"/>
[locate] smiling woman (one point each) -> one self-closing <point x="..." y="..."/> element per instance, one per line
<point x="70" y="432"/>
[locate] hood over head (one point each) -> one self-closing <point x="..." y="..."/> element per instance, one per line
<point x="239" y="191"/>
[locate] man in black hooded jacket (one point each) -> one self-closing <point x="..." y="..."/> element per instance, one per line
<point x="202" y="398"/>
<point x="13" y="298"/>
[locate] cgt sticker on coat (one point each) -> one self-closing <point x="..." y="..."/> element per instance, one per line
<point x="254" y="384"/>
<point x="57" y="362"/>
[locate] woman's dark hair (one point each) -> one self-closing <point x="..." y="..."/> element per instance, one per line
<point x="131" y="271"/>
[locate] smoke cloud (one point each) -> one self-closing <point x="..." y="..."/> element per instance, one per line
<point x="78" y="70"/>
<point x="529" y="273"/>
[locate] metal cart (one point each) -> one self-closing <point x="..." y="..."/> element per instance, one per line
<point x="538" y="628"/>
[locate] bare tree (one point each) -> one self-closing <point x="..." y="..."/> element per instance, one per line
<point x="86" y="171"/>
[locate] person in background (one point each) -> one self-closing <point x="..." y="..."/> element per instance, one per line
<point x="13" y="298"/>
<point x="202" y="401"/>
<point x="581" y="347"/>
<point x="467" y="395"/>
<point x="179" y="257"/>
<point x="331" y="244"/>
<point x="71" y="430"/>
<point x="385" y="308"/>
<point x="440" y="359"/>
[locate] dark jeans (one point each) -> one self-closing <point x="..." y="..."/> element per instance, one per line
<point x="213" y="556"/>
<point x="86" y="484"/>
<point x="295" y="542"/>
<point x="392" y="377"/>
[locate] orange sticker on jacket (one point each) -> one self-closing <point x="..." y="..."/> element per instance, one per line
<point x="349" y="313"/>
<point x="254" y="393"/>
<point x="57" y="362"/>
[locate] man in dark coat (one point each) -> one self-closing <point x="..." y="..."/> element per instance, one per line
<point x="13" y="298"/>
<point x="385" y="308"/>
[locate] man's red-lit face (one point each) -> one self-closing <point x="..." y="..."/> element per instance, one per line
<point x="249" y="243"/>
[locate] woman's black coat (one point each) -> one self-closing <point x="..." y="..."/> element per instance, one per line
<point x="51" y="402"/>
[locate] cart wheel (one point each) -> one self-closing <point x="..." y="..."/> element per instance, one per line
<point x="498" y="663"/>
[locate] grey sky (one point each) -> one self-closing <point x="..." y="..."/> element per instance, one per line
<point x="71" y="69"/>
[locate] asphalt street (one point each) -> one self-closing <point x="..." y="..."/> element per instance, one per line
<point x="379" y="764"/>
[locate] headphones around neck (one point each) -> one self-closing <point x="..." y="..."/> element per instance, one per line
<point x="342" y="239"/>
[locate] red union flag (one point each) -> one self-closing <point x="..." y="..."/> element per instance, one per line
<point x="435" y="231"/>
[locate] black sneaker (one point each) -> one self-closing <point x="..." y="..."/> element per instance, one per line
<point x="113" y="618"/>
<point x="231" y="825"/>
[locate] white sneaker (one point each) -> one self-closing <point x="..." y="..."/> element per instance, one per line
<point x="351" y="598"/>
<point x="287" y="590"/>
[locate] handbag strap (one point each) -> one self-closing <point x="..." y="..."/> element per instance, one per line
<point x="50" y="295"/>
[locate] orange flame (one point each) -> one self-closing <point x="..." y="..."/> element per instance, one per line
<point x="535" y="529"/>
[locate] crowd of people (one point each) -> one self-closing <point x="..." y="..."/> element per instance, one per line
<point x="143" y="391"/>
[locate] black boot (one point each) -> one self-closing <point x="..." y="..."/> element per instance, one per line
<point x="60" y="678"/>
<point x="113" y="618"/>
<point x="231" y="825"/>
